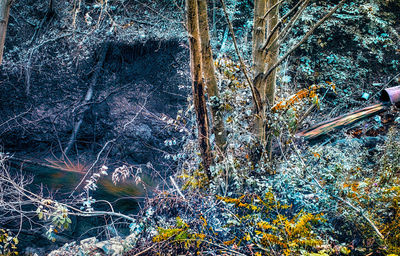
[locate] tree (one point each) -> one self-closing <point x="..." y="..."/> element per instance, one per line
<point x="4" y="14"/>
<point x="209" y="76"/>
<point x="197" y="84"/>
<point x="268" y="34"/>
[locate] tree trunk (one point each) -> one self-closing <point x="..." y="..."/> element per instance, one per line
<point x="197" y="84"/>
<point x="271" y="59"/>
<point x="273" y="53"/>
<point x="4" y="14"/>
<point x="262" y="61"/>
<point x="209" y="76"/>
<point x="260" y="7"/>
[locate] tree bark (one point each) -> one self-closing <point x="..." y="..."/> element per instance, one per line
<point x="271" y="59"/>
<point x="198" y="85"/>
<point x="4" y="14"/>
<point x="273" y="53"/>
<point x="209" y="76"/>
<point x="264" y="24"/>
<point x="259" y="30"/>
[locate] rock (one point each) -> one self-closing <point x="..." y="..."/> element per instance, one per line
<point x="91" y="246"/>
<point x="140" y="131"/>
<point x="112" y="247"/>
<point x="33" y="251"/>
<point x="87" y="244"/>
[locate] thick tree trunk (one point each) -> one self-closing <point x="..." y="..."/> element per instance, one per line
<point x="260" y="7"/>
<point x="273" y="53"/>
<point x="4" y="14"/>
<point x="271" y="59"/>
<point x="209" y="76"/>
<point x="197" y="84"/>
<point x="262" y="61"/>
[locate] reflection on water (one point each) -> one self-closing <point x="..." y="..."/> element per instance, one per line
<point x="61" y="182"/>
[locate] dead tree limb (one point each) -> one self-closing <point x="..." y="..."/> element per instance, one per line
<point x="341" y="121"/>
<point x="88" y="97"/>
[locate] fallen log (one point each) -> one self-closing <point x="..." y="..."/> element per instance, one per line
<point x="389" y="96"/>
<point x="87" y="99"/>
<point x="341" y="121"/>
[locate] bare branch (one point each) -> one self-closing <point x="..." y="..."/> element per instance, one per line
<point x="273" y="7"/>
<point x="280" y="22"/>
<point x="254" y="91"/>
<point x="309" y="33"/>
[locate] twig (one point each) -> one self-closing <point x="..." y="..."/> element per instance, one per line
<point x="285" y="31"/>
<point x="254" y="92"/>
<point x="137" y="113"/>
<point x="17" y="116"/>
<point x="272" y="8"/>
<point x="176" y="187"/>
<point x="279" y="23"/>
<point x="146" y="250"/>
<point x="92" y="166"/>
<point x="359" y="211"/>
<point x="49" y="13"/>
<point x="384" y="86"/>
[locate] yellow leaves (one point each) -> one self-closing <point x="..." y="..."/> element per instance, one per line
<point x="316" y="155"/>
<point x="127" y="25"/>
<point x="332" y="85"/>
<point x="290" y="234"/>
<point x="230" y="242"/>
<point x="204" y="221"/>
<point x="309" y="93"/>
<point x="165" y="234"/>
<point x="264" y="225"/>
<point x="270" y="226"/>
<point x="345" y="250"/>
<point x="180" y="234"/>
<point x="8" y="243"/>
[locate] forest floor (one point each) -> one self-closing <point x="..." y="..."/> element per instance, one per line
<point x="139" y="114"/>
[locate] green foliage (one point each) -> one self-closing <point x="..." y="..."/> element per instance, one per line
<point x="8" y="243"/>
<point x="271" y="226"/>
<point x="180" y="234"/>
<point x="57" y="214"/>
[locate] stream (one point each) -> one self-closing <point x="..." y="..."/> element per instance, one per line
<point x="58" y="184"/>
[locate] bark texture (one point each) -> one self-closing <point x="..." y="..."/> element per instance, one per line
<point x="197" y="84"/>
<point x="259" y="31"/>
<point x="209" y="76"/>
<point x="273" y="53"/>
<point x="4" y="14"/>
<point x="266" y="18"/>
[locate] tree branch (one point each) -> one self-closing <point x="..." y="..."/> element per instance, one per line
<point x="254" y="91"/>
<point x="272" y="8"/>
<point x="279" y="23"/>
<point x="309" y="33"/>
